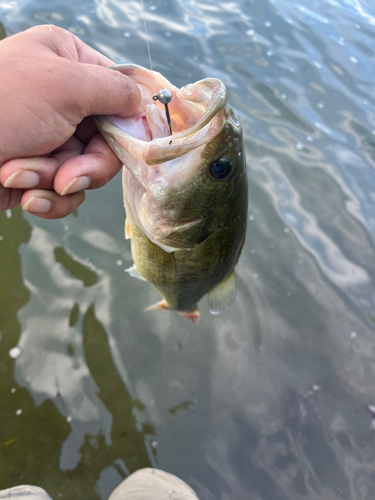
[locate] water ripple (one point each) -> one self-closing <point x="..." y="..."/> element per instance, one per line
<point x="272" y="394"/>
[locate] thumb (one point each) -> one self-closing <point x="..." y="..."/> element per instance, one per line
<point x="103" y="91"/>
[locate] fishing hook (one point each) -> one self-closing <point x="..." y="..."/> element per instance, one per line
<point x="165" y="96"/>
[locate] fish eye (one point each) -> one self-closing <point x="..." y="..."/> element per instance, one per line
<point x="219" y="169"/>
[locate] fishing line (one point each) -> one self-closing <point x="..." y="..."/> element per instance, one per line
<point x="148" y="46"/>
<point x="164" y="95"/>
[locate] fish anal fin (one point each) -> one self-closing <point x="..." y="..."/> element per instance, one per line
<point x="158" y="306"/>
<point x="134" y="273"/>
<point x="193" y="315"/>
<point x="223" y="295"/>
<point x="128" y="230"/>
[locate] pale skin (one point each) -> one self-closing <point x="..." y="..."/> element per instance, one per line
<point x="50" y="149"/>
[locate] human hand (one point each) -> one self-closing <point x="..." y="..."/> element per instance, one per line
<point x="50" y="149"/>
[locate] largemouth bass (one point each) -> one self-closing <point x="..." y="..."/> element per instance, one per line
<point x="185" y="194"/>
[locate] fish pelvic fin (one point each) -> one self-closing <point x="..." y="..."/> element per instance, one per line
<point x="193" y="315"/>
<point x="134" y="273"/>
<point x="158" y="306"/>
<point x="128" y="230"/>
<point x="223" y="295"/>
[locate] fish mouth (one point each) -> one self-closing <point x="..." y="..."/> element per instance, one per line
<point x="194" y="111"/>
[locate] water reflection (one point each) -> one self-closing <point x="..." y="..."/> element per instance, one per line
<point x="268" y="400"/>
<point x="68" y="422"/>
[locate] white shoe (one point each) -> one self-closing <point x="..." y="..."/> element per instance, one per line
<point x="24" y="492"/>
<point x="153" y="484"/>
<point x="144" y="484"/>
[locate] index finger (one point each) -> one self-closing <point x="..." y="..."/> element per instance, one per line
<point x="64" y="44"/>
<point x="86" y="54"/>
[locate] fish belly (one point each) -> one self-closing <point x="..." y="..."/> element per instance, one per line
<point x="182" y="277"/>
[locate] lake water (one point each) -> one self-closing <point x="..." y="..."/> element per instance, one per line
<point x="267" y="401"/>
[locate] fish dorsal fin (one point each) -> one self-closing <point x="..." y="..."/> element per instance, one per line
<point x="222" y="296"/>
<point x="134" y="273"/>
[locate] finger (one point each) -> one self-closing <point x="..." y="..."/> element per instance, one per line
<point x="27" y="173"/>
<point x="131" y="100"/>
<point x="94" y="168"/>
<point x="103" y="91"/>
<point x="88" y="55"/>
<point x="49" y="205"/>
<point x="9" y="198"/>
<point x="38" y="172"/>
<point x="86" y="130"/>
<point x="81" y="74"/>
<point x="63" y="43"/>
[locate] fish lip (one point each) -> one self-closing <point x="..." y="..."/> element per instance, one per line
<point x="217" y="101"/>
<point x="209" y="94"/>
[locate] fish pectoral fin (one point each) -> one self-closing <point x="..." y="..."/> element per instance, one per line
<point x="168" y="248"/>
<point x="128" y="230"/>
<point x="158" y="306"/>
<point x="133" y="271"/>
<point x="178" y="236"/>
<point x="222" y="296"/>
<point x="193" y="315"/>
